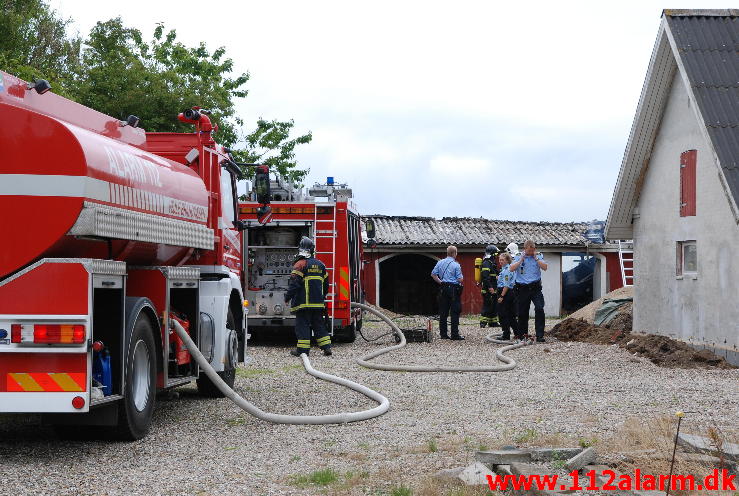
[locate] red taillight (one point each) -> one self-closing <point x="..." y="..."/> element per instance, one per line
<point x="15" y="333"/>
<point x="78" y="402"/>
<point x="58" y="334"/>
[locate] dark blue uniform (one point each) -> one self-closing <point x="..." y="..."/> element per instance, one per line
<point x="489" y="314"/>
<point x="307" y="292"/>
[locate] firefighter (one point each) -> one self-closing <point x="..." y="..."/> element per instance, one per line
<point x="488" y="286"/>
<point x="307" y="289"/>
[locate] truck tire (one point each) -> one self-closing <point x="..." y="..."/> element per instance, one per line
<point x="137" y="408"/>
<point x="205" y="385"/>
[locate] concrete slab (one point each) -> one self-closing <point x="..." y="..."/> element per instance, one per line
<point x="476" y="475"/>
<point x="502" y="457"/>
<point x="549" y="454"/>
<point x="586" y="457"/>
<point x="519" y="468"/>
<point x="448" y="473"/>
<point x="702" y="444"/>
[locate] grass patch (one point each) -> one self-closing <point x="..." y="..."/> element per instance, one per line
<point x="322" y="477"/>
<point x="431" y="446"/>
<point x="255" y="372"/>
<point x="401" y="491"/>
<point x="586" y="442"/>
<point x="527" y="436"/>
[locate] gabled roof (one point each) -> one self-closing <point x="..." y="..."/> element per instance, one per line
<point x="466" y="231"/>
<point x="704" y="46"/>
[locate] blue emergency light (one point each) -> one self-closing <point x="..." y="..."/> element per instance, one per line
<point x="330" y="180"/>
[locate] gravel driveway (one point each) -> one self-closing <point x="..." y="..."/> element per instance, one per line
<point x="560" y="393"/>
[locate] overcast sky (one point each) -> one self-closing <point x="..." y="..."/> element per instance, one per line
<point x="518" y="111"/>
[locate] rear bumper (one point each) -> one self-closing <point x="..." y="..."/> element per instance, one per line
<point x="37" y="402"/>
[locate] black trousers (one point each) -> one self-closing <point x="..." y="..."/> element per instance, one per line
<point x="526" y="294"/>
<point x="307" y="320"/>
<point x="450" y="303"/>
<point x="489" y="314"/>
<point x="507" y="314"/>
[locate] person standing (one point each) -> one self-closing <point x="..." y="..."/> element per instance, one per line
<point x="488" y="285"/>
<point x="448" y="274"/>
<point x="528" y="266"/>
<point x="506" y="299"/>
<point x="307" y="291"/>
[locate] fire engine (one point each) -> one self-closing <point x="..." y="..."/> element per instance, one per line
<point x="110" y="234"/>
<point x="326" y="214"/>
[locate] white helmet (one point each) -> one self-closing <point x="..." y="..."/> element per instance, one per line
<point x="512" y="248"/>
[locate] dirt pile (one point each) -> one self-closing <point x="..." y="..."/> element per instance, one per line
<point x="661" y="350"/>
<point x="588" y="311"/>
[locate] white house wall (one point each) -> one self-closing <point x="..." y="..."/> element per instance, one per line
<point x="702" y="310"/>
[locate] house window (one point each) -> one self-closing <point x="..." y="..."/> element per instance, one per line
<point x="687" y="258"/>
<point x="687" y="183"/>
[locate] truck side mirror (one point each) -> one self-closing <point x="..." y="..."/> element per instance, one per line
<point x="369" y="225"/>
<point x="261" y="185"/>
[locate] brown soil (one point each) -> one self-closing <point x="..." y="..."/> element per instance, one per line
<point x="661" y="350"/>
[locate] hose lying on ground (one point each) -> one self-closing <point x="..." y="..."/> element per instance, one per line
<point x="508" y="362"/>
<point x="338" y="418"/>
<point x="341" y="418"/>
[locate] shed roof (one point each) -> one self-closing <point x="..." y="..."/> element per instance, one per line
<point x="466" y="231"/>
<point x="704" y="46"/>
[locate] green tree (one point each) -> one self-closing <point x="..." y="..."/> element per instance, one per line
<point x="36" y="44"/>
<point x="270" y="143"/>
<point x="124" y="74"/>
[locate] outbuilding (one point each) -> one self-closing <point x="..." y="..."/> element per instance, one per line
<point x="398" y="267"/>
<point x="678" y="187"/>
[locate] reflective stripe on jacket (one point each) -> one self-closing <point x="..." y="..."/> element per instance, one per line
<point x="489" y="275"/>
<point x="308" y="285"/>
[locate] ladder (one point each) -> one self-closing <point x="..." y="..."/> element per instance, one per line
<point x="324" y="234"/>
<point x="626" y="261"/>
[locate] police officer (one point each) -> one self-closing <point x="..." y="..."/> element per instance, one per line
<point x="528" y="266"/>
<point x="307" y="289"/>
<point x="506" y="299"/>
<point x="448" y="274"/>
<point x="488" y="285"/>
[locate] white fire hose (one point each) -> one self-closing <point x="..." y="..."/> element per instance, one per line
<point x="341" y="418"/>
<point x="338" y="418"/>
<point x="508" y="362"/>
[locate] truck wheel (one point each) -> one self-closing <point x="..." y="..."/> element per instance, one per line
<point x="137" y="408"/>
<point x="205" y="385"/>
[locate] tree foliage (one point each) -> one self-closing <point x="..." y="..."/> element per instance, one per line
<point x="36" y="45"/>
<point x="118" y="72"/>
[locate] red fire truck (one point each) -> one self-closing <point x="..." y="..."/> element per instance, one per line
<point x="109" y="234"/>
<point x="328" y="216"/>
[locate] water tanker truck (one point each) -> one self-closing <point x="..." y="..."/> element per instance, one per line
<point x="110" y="234"/>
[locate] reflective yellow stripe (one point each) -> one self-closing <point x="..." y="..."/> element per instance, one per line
<point x="26" y="381"/>
<point x="297" y="273"/>
<point x="485" y="268"/>
<point x="65" y="382"/>
<point x="307" y="305"/>
<point x="324" y="340"/>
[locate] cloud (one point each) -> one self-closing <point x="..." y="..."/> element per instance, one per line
<point x="436" y="108"/>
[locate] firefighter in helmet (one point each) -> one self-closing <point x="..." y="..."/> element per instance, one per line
<point x="488" y="286"/>
<point x="307" y="289"/>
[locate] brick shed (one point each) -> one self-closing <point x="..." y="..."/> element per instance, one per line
<point x="397" y="269"/>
